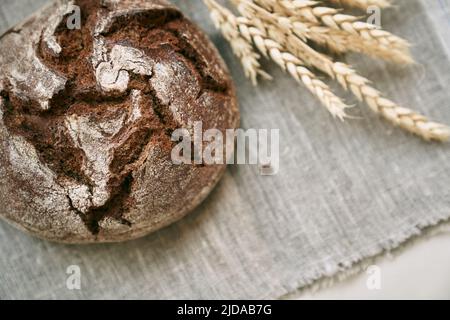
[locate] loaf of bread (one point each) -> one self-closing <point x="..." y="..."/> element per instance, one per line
<point x="86" y="117"/>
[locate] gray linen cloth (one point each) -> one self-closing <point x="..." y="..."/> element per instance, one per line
<point x="345" y="191"/>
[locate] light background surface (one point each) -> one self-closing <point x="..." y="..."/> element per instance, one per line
<point x="345" y="192"/>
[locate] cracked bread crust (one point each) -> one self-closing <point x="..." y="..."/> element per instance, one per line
<point x="86" y="118"/>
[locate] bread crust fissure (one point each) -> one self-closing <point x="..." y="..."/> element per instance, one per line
<point x="130" y="118"/>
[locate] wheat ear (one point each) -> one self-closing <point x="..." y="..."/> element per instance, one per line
<point x="335" y="40"/>
<point x="338" y="31"/>
<point x="294" y="66"/>
<point x="225" y="21"/>
<point x="261" y="33"/>
<point x="293" y="54"/>
<point x="403" y="117"/>
<point x="287" y="62"/>
<point x="334" y="19"/>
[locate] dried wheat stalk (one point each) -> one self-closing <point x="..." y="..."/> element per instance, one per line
<point x="226" y="22"/>
<point x="282" y="31"/>
<point x="327" y="26"/>
<point x="285" y="60"/>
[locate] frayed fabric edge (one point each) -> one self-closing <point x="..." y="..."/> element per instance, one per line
<point x="388" y="249"/>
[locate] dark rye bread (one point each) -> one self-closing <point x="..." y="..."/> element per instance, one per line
<point x="86" y="118"/>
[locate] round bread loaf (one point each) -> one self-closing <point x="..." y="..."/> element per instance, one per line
<point x="87" y="114"/>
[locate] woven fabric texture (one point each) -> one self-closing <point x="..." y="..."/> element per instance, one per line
<point x="345" y="191"/>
